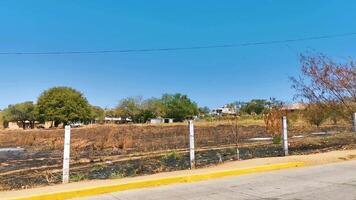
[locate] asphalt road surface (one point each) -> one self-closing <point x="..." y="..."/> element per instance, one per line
<point x="333" y="181"/>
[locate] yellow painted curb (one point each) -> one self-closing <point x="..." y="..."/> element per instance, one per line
<point x="157" y="182"/>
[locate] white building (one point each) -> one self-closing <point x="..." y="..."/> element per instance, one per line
<point x="117" y="120"/>
<point x="225" y="110"/>
<point x="160" y="120"/>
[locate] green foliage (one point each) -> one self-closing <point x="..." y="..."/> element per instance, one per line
<point x="97" y="113"/>
<point x="116" y="175"/>
<point x="130" y="107"/>
<point x="336" y="112"/>
<point x="77" y="177"/>
<point x="2" y="122"/>
<point x="204" y="111"/>
<point x="179" y="107"/>
<point x="63" y="105"/>
<point x="97" y="167"/>
<point x="171" y="157"/>
<point x="110" y="113"/>
<point x="256" y="106"/>
<point x="277" y="139"/>
<point x="315" y="114"/>
<point x="152" y="108"/>
<point x="21" y="112"/>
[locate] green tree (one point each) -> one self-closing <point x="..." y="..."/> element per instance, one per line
<point x="256" y="106"/>
<point x="97" y="113"/>
<point x="179" y="106"/>
<point x="315" y="114"/>
<point x="2" y="123"/>
<point x="108" y="112"/>
<point x="204" y="111"/>
<point x="26" y="111"/>
<point x="152" y="108"/>
<point x="130" y="107"/>
<point x="63" y="105"/>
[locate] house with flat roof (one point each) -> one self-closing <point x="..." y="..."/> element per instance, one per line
<point x="160" y="120"/>
<point x="225" y="110"/>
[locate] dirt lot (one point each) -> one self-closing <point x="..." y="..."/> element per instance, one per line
<point x="129" y="150"/>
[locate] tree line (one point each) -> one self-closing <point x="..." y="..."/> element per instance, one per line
<point x="176" y="106"/>
<point x="64" y="105"/>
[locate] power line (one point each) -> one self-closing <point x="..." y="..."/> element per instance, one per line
<point x="182" y="48"/>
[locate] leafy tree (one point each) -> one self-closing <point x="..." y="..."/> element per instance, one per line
<point x="179" y="106"/>
<point x="97" y="113"/>
<point x="63" y="105"/>
<point x="315" y="114"/>
<point x="152" y="108"/>
<point x="110" y="112"/>
<point x="130" y="107"/>
<point x="2" y="123"/>
<point x="26" y="111"/>
<point x="257" y="106"/>
<point x="204" y="111"/>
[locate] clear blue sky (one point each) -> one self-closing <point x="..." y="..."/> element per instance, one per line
<point x="211" y="77"/>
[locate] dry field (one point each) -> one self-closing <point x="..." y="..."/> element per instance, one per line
<point x="115" y="151"/>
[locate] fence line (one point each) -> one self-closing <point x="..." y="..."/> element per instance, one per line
<point x="191" y="148"/>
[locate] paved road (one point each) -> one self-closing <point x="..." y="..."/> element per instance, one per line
<point x="333" y="181"/>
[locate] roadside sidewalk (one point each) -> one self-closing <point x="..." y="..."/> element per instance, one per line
<point x="86" y="188"/>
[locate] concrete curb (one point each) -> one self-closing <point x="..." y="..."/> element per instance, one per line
<point x="157" y="182"/>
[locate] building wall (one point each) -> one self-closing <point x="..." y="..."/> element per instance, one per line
<point x="161" y="120"/>
<point x="156" y="121"/>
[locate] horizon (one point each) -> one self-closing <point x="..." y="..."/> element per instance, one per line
<point x="211" y="77"/>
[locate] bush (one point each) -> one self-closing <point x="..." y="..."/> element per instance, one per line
<point x="277" y="139"/>
<point x="315" y="115"/>
<point x="171" y="157"/>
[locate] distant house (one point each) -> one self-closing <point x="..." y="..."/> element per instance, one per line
<point x="117" y="120"/>
<point x="160" y="120"/>
<point x="225" y="110"/>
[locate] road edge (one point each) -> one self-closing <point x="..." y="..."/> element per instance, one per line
<point x="91" y="191"/>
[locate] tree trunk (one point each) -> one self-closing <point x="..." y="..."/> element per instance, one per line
<point x="23" y="125"/>
<point x="32" y="123"/>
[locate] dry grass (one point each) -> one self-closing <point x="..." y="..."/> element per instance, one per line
<point x="124" y="139"/>
<point x="126" y="150"/>
<point x="128" y="138"/>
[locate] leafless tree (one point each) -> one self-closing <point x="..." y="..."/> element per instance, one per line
<point x="327" y="83"/>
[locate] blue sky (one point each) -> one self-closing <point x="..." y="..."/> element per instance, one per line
<point x="211" y="77"/>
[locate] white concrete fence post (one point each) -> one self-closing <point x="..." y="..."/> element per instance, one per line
<point x="66" y="154"/>
<point x="355" y="126"/>
<point x="191" y="144"/>
<point x="285" y="135"/>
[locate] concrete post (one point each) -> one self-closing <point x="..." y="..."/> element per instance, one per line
<point x="66" y="154"/>
<point x="285" y="135"/>
<point x="355" y="125"/>
<point x="191" y="144"/>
